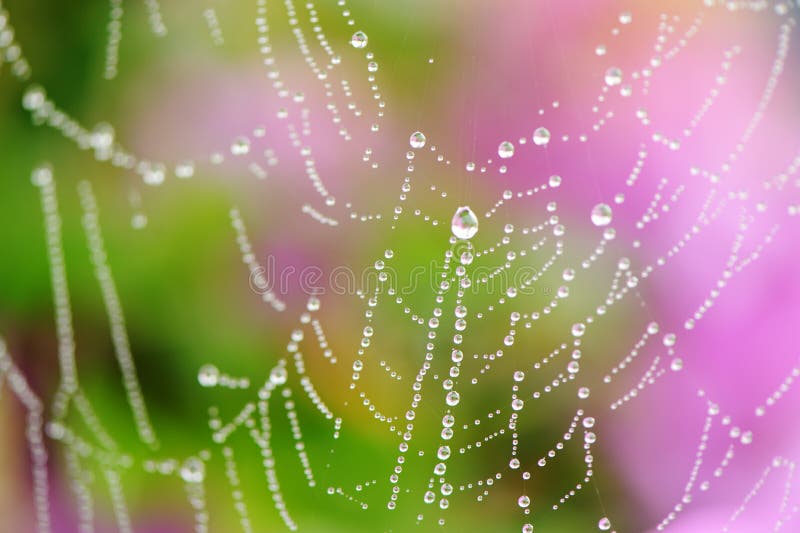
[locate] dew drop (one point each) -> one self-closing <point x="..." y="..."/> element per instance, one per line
<point x="278" y="375"/>
<point x="184" y="170"/>
<point x="42" y="176"/>
<point x="505" y="150"/>
<point x="359" y="39"/>
<point x="524" y="501"/>
<point x="417" y="140"/>
<point x="240" y="146"/>
<point x="102" y="136"/>
<point x="465" y="223"/>
<point x="443" y="453"/>
<point x="604" y="524"/>
<point x="452" y="398"/>
<point x="34" y="98"/>
<point x="541" y="136"/>
<point x="601" y="215"/>
<point x="208" y="376"/>
<point x="613" y="76"/>
<point x="193" y="470"/>
<point x="153" y="174"/>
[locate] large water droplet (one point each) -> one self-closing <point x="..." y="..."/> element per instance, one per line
<point x="541" y="136"/>
<point x="359" y="39"/>
<point x="601" y="215"/>
<point x="604" y="524"/>
<point x="452" y="398"/>
<point x="505" y="150"/>
<point x="465" y="223"/>
<point x="417" y="139"/>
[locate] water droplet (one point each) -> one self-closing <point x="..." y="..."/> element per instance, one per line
<point x="102" y="137"/>
<point x="583" y="393"/>
<point x="138" y="220"/>
<point x="208" y="376"/>
<point x="193" y="470"/>
<point x="278" y="375"/>
<point x="153" y="174"/>
<point x="452" y="398"/>
<point x="613" y="76"/>
<point x="240" y="146"/>
<point x="465" y="223"/>
<point x="417" y="139"/>
<point x="42" y="176"/>
<point x="604" y="524"/>
<point x="524" y="501"/>
<point x="184" y="170"/>
<point x="554" y="181"/>
<point x="541" y="136"/>
<point x="359" y="39"/>
<point x="625" y="17"/>
<point x="505" y="150"/>
<point x="601" y="215"/>
<point x="517" y="404"/>
<point x="34" y="98"/>
<point x="578" y="329"/>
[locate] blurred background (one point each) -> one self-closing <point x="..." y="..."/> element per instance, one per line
<point x="260" y="131"/>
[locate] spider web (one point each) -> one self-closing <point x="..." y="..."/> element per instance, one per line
<point x="505" y="333"/>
